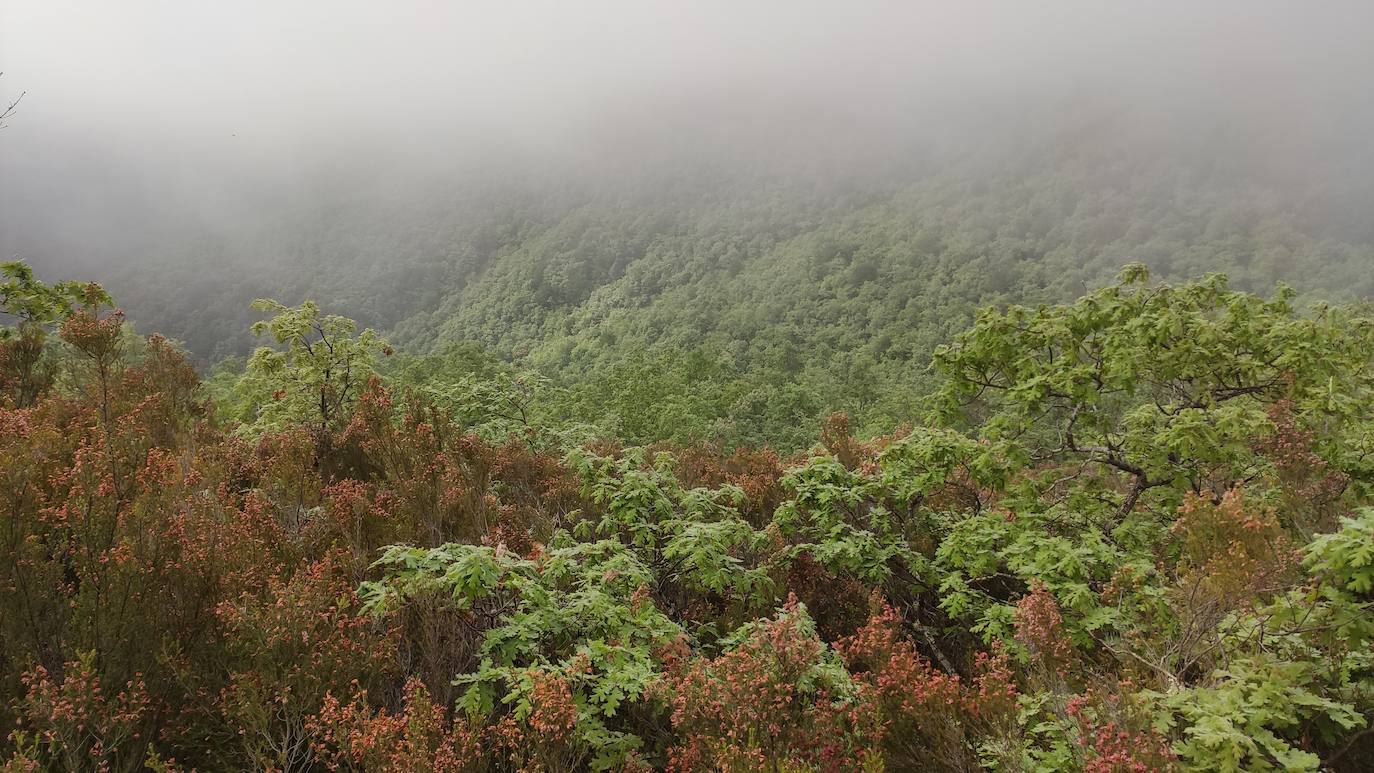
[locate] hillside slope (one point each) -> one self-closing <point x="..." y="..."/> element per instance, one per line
<point x="748" y="302"/>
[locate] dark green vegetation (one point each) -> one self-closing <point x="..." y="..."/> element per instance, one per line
<point x="742" y="305"/>
<point x="1130" y="532"/>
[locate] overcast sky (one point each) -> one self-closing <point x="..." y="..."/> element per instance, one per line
<point x="135" y="100"/>
<point x="295" y="77"/>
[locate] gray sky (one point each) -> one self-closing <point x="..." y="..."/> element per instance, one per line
<point x="144" y="100"/>
<point x="266" y="80"/>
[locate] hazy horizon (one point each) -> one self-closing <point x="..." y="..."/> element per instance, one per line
<point x="159" y="104"/>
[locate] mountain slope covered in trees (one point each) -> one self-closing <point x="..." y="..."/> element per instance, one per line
<point x="741" y="305"/>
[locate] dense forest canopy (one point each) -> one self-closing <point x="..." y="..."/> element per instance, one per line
<point x="751" y="302"/>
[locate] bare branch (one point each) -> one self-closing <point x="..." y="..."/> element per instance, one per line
<point x="9" y="111"/>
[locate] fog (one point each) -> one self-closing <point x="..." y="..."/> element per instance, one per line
<point x="139" y="116"/>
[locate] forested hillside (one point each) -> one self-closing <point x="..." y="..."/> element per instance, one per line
<point x="1127" y="532"/>
<point x="739" y="301"/>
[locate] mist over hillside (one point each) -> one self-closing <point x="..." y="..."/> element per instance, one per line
<point x="328" y="152"/>
<point x="425" y="254"/>
<point x="807" y="198"/>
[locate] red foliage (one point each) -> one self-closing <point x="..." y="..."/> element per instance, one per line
<point x="757" y="473"/>
<point x="838" y="603"/>
<point x="1310" y="487"/>
<point x="1040" y="629"/>
<point x="288" y="650"/>
<point x="1234" y="550"/>
<point x="24" y="376"/>
<point x="927" y="713"/>
<point x="73" y="722"/>
<point x="1109" y="746"/>
<point x="554" y="714"/>
<point x="443" y="484"/>
<point x="758" y="705"/>
<point x="419" y="737"/>
<point x="838" y="439"/>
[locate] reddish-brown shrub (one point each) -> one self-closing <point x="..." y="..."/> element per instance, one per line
<point x="73" y="722"/>
<point x="1040" y="629"/>
<point x="1111" y="740"/>
<point x="930" y="717"/>
<point x="421" y="736"/>
<point x="770" y="702"/>
<point x="1310" y="488"/>
<point x="288" y="650"/>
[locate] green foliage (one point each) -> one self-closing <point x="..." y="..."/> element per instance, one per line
<point x="579" y="613"/>
<point x="1345" y="558"/>
<point x="1240" y="722"/>
<point x="694" y="541"/>
<point x="318" y="375"/>
<point x="832" y="518"/>
<point x="27" y="366"/>
<point x="1164" y="384"/>
<point x="739" y="306"/>
<point x="34" y="303"/>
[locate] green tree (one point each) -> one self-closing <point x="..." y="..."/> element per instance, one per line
<point x="1163" y="386"/>
<point x="316" y="378"/>
<point x="25" y="370"/>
